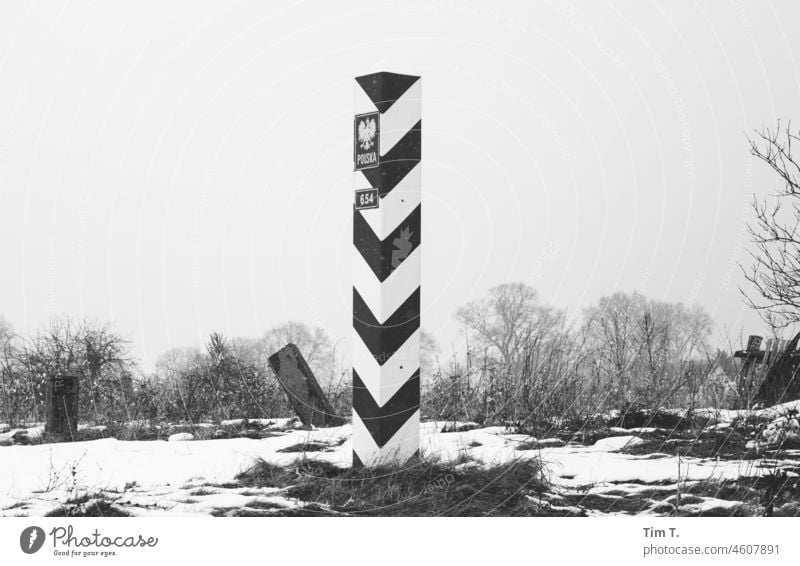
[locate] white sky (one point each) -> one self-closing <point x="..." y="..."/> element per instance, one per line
<point x="183" y="167"/>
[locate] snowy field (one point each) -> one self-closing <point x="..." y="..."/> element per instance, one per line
<point x="183" y="477"/>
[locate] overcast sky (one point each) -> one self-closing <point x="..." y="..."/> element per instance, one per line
<point x="183" y="167"/>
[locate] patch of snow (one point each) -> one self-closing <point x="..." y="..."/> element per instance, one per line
<point x="277" y="423"/>
<point x="35" y="433"/>
<point x="651" y="456"/>
<point x="457" y="426"/>
<point x="616" y="443"/>
<point x="181" y="437"/>
<point x="32" y="433"/>
<point x="547" y="500"/>
<point x="495" y="430"/>
<point x="782" y="429"/>
<point x="92" y="428"/>
<point x="635" y="430"/>
<point x="728" y="415"/>
<point x="711" y="504"/>
<point x="515" y="437"/>
<point x="633" y="488"/>
<point x="281" y="422"/>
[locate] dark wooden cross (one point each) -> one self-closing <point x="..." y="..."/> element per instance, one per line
<point x="778" y="356"/>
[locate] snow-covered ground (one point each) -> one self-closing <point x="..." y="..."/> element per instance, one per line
<point x="195" y="476"/>
<point x="728" y="415"/>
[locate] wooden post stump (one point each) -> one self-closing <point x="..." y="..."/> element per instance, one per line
<point x="62" y="407"/>
<point x="305" y="394"/>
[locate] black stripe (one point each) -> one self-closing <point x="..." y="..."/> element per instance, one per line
<point x="384" y="256"/>
<point x="384" y="89"/>
<point x="357" y="463"/>
<point x="384" y="422"/>
<point x="383" y="340"/>
<point x="398" y="161"/>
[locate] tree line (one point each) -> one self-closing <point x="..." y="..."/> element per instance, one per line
<point x="523" y="361"/>
<point x="223" y="379"/>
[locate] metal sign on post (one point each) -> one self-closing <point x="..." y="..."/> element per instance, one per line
<point x="386" y="280"/>
<point x="367" y="198"/>
<point x="367" y="140"/>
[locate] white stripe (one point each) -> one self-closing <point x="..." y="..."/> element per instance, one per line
<point x="394" y="207"/>
<point x="383" y="299"/>
<point x="383" y="381"/>
<point x="402" y="446"/>
<point x="401" y="117"/>
<point x="361" y="102"/>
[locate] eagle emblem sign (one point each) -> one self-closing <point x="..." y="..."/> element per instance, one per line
<point x="366" y="132"/>
<point x="367" y="135"/>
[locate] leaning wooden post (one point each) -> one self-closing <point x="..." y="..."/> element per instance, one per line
<point x="386" y="280"/>
<point x="306" y="397"/>
<point x="62" y="407"/>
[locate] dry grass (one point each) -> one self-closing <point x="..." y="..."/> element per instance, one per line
<point x="422" y="487"/>
<point x="94" y="508"/>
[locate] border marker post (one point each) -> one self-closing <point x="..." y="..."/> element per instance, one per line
<point x="387" y="132"/>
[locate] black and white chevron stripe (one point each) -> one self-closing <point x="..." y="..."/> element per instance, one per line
<point x="386" y="276"/>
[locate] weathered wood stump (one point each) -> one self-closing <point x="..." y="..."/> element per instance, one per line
<point x="305" y="394"/>
<point x="62" y="407"/>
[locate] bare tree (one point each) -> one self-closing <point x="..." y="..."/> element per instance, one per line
<point x="612" y="327"/>
<point x="312" y="342"/>
<point x="231" y="378"/>
<point x="509" y="320"/>
<point x="524" y="354"/>
<point x="775" y="269"/>
<point x="428" y="350"/>
<point x="94" y="351"/>
<point x="647" y="351"/>
<point x="179" y="378"/>
<point x="8" y="375"/>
